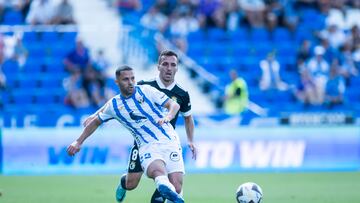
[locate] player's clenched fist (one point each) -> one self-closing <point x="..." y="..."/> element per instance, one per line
<point x="73" y="148"/>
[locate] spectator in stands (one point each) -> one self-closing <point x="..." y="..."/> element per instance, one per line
<point x="306" y="90"/>
<point x="2" y="79"/>
<point x="290" y="16"/>
<point x="20" y="51"/>
<point x="2" y="10"/>
<point x="273" y="14"/>
<point x="2" y="48"/>
<point x="270" y="77"/>
<point x="154" y="20"/>
<point x="356" y="57"/>
<point x="254" y="12"/>
<point x="78" y="59"/>
<point x="165" y="7"/>
<point x="187" y="5"/>
<point x="319" y="70"/>
<point x="330" y="53"/>
<point x="41" y="12"/>
<point x="76" y="96"/>
<point x="100" y="65"/>
<point x="236" y="94"/>
<point x="210" y="14"/>
<point x="2" y="58"/>
<point x="24" y="6"/>
<point x="348" y="67"/>
<point x="232" y="14"/>
<point x="334" y="35"/>
<point x="182" y="22"/>
<point x="343" y="16"/>
<point x="305" y="4"/>
<point x="335" y="87"/>
<point x="64" y="13"/>
<point x="304" y="52"/>
<point x="354" y="37"/>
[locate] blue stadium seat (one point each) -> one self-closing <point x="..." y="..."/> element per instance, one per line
<point x="216" y="34"/>
<point x="36" y="49"/>
<point x="259" y="34"/>
<point x="44" y="97"/>
<point x="33" y="65"/>
<point x="12" y="81"/>
<point x="26" y="82"/>
<point x="251" y="63"/>
<point x="30" y="37"/>
<point x="22" y="96"/>
<point x="47" y="82"/>
<point x="195" y="49"/>
<point x="5" y="98"/>
<point x="196" y="36"/>
<point x="281" y="35"/>
<point x="10" y="67"/>
<point x="217" y="48"/>
<point x="239" y="49"/>
<point x="62" y="48"/>
<point x="55" y="65"/>
<point x="239" y="34"/>
<point x="68" y="37"/>
<point x="12" y="17"/>
<point x="50" y="37"/>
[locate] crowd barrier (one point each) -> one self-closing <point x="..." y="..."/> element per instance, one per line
<point x="39" y="151"/>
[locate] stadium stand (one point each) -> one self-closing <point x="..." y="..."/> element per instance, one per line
<point x="218" y="49"/>
<point x="213" y="46"/>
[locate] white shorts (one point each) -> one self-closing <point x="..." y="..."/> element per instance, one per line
<point x="170" y="153"/>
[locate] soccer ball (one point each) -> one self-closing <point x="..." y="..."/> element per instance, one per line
<point x="249" y="193"/>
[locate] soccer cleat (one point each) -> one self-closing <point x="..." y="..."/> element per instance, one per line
<point x="120" y="193"/>
<point x="169" y="194"/>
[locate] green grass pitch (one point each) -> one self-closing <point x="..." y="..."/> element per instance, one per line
<point x="326" y="187"/>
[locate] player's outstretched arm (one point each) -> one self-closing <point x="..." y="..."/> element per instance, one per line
<point x="74" y="147"/>
<point x="92" y="116"/>
<point x="189" y="127"/>
<point x="173" y="108"/>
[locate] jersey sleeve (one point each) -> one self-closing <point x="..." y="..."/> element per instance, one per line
<point x="141" y="82"/>
<point x="185" y="108"/>
<point x="106" y="112"/>
<point x="156" y="96"/>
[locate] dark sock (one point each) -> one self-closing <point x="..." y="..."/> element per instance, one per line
<point x="157" y="198"/>
<point x="123" y="182"/>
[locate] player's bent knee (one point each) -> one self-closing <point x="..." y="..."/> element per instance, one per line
<point x="156" y="168"/>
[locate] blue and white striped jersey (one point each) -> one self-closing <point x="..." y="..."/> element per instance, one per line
<point x="139" y="113"/>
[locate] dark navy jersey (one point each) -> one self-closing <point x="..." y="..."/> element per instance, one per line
<point x="177" y="94"/>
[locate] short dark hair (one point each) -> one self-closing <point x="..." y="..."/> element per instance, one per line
<point x="122" y="68"/>
<point x="167" y="53"/>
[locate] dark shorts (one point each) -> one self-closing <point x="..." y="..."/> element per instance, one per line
<point x="134" y="161"/>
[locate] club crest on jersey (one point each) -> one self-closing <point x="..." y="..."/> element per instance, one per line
<point x="174" y="156"/>
<point x="174" y="99"/>
<point x="140" y="99"/>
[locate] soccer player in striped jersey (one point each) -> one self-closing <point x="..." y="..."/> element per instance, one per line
<point x="138" y="109"/>
<point x="165" y="82"/>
